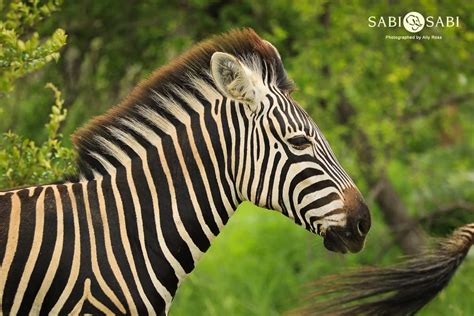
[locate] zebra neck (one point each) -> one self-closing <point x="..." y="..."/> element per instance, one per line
<point x="176" y="184"/>
<point x="171" y="219"/>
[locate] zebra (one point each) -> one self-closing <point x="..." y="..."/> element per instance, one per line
<point x="159" y="176"/>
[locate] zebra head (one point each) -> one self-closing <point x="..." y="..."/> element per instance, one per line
<point x="285" y="163"/>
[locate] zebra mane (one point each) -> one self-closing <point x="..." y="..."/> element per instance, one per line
<point x="188" y="76"/>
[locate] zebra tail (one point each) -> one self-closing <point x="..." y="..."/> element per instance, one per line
<point x="401" y="289"/>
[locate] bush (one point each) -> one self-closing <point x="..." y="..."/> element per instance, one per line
<point x="22" y="51"/>
<point x="23" y="162"/>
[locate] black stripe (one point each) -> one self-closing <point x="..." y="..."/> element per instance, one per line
<point x="115" y="238"/>
<point x="226" y="125"/>
<point x="64" y="268"/>
<point x="213" y="130"/>
<point x="237" y="130"/>
<point x="184" y="204"/>
<point x="264" y="167"/>
<point x="313" y="219"/>
<point x="295" y="180"/>
<point x="320" y="202"/>
<point x="317" y="186"/>
<point x="132" y="229"/>
<point x="250" y="140"/>
<point x="104" y="266"/>
<point x="281" y="182"/>
<point x="173" y="240"/>
<point x="45" y="254"/>
<point x="85" y="260"/>
<point x="244" y="134"/>
<point x="272" y="176"/>
<point x="26" y="233"/>
<point x="5" y="213"/>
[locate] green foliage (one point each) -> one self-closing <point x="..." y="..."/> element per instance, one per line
<point x="23" y="162"/>
<point x="19" y="56"/>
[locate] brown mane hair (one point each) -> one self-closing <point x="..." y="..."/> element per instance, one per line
<point x="242" y="43"/>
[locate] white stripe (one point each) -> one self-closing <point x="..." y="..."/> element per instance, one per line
<point x="123" y="233"/>
<point x="33" y="256"/>
<point x="153" y="138"/>
<point x="56" y="256"/>
<point x="194" y="103"/>
<point x="75" y="265"/>
<point x="195" y="252"/>
<point x="309" y="198"/>
<point x="132" y="143"/>
<point x="12" y="240"/>
<point x="156" y="119"/>
<point x="114" y="266"/>
<point x="94" y="259"/>
<point x="325" y="209"/>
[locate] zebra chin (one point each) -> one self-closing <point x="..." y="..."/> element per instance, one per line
<point x="336" y="239"/>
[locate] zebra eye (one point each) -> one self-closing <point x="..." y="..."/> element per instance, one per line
<point x="299" y="142"/>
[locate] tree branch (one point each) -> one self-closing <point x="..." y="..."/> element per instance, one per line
<point x="404" y="228"/>
<point x="406" y="231"/>
<point x="451" y="99"/>
<point x="447" y="209"/>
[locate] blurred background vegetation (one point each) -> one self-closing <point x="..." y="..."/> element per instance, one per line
<point x="398" y="114"/>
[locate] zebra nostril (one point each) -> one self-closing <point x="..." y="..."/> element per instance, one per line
<point x="362" y="220"/>
<point x="357" y="214"/>
<point x="363" y="227"/>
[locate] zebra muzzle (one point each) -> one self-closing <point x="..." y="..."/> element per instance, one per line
<point x="338" y="239"/>
<point x="351" y="236"/>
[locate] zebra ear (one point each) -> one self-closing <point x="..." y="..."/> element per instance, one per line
<point x="233" y="79"/>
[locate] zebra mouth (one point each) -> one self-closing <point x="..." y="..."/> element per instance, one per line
<point x="334" y="240"/>
<point x="319" y="230"/>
